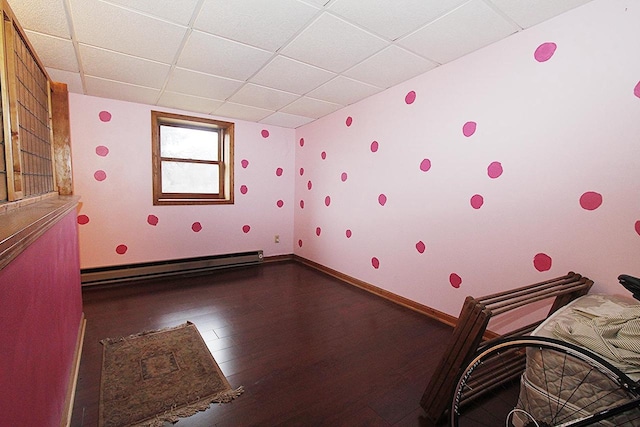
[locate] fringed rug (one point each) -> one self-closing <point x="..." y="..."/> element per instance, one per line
<point x="158" y="376"/>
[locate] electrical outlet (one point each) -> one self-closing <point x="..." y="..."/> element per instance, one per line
<point x="276" y="238"/>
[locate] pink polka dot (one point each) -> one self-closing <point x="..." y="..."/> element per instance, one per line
<point x="382" y="199"/>
<point x="102" y="151"/>
<point x="300" y="243"/>
<point x="420" y="247"/>
<point x="279" y="172"/>
<point x="152" y="220"/>
<point x="104" y="116"/>
<point x="246" y="228"/>
<point x="301" y="171"/>
<point x="318" y="231"/>
<point x="455" y="280"/>
<point x="343" y="177"/>
<point x="309" y="185"/>
<point x="477" y="201"/>
<point x="264" y="133"/>
<point x="469" y="128"/>
<point x="196" y="227"/>
<point x="323" y="155"/>
<point x="244" y="189"/>
<point x="425" y="165"/>
<point x="244" y="163"/>
<point x="83" y="219"/>
<point x="494" y="170"/>
<point x="410" y="97"/>
<point x="301" y="204"/>
<point x="637" y="226"/>
<point x="542" y="262"/>
<point x="327" y="201"/>
<point x="121" y="249"/>
<point x="590" y="200"/>
<point x="545" y="51"/>
<point x="100" y="175"/>
<point x="349" y="121"/>
<point x="280" y="203"/>
<point x="301" y="142"/>
<point x="375" y="262"/>
<point x="636" y="90"/>
<point x="348" y="233"/>
<point x="374" y="146"/>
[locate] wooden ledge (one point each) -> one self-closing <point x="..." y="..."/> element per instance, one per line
<point x="21" y="223"/>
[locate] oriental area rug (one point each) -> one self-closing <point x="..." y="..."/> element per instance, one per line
<point x="159" y="376"/>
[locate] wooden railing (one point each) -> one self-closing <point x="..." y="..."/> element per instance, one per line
<point x="472" y="326"/>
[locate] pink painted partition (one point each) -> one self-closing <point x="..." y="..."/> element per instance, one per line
<point x="40" y="312"/>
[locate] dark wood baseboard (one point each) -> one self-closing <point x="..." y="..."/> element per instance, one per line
<point x="405" y="302"/>
<point x="73" y="377"/>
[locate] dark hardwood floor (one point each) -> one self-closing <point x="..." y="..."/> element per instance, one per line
<point x="308" y="349"/>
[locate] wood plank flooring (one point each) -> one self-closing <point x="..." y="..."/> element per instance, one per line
<point x="308" y="349"/>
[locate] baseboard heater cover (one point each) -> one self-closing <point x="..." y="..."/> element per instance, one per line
<point x="122" y="273"/>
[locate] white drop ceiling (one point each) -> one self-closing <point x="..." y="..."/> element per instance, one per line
<point x="279" y="62"/>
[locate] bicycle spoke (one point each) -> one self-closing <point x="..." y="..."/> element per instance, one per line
<point x="555" y="392"/>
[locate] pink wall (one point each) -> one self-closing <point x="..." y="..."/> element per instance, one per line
<point x="509" y="166"/>
<point x="41" y="312"/>
<point x="120" y="225"/>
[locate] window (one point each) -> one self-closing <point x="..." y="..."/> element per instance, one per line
<point x="192" y="160"/>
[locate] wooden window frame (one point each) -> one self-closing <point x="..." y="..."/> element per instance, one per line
<point x="225" y="160"/>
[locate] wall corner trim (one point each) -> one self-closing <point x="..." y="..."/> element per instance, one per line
<point x="405" y="302"/>
<point x="73" y="377"/>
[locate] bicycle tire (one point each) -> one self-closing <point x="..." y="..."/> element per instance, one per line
<point x="494" y="389"/>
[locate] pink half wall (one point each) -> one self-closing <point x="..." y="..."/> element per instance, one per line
<point x="512" y="165"/>
<point x="41" y="313"/>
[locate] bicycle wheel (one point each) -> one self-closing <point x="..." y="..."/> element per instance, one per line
<point x="535" y="381"/>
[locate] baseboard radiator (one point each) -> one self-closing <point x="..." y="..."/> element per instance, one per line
<point x="123" y="273"/>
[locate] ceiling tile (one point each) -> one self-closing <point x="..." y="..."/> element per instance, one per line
<point x="318" y="3"/>
<point x="73" y="80"/>
<point x="390" y="67"/>
<point x="242" y="112"/>
<point x="201" y="84"/>
<point x="393" y="18"/>
<point x="54" y="51"/>
<point x="179" y="12"/>
<point x="116" y="66"/>
<point x="263" y="97"/>
<point x="47" y="17"/>
<point x="101" y="24"/>
<point x="291" y="76"/>
<point x="215" y="55"/>
<point x="333" y="44"/>
<point x="264" y="24"/>
<point x="286" y="120"/>
<point x="531" y="12"/>
<point x="466" y="29"/>
<point x="310" y="107"/>
<point x="123" y="91"/>
<point x="343" y="91"/>
<point x="188" y="102"/>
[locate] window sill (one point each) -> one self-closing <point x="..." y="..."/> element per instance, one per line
<point x="23" y="222"/>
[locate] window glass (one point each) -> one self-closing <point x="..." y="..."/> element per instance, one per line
<point x="188" y="143"/>
<point x="182" y="177"/>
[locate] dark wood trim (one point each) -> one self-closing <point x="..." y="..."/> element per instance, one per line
<point x="405" y="302"/>
<point x="61" y="138"/>
<point x="23" y="222"/>
<point x="73" y="377"/>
